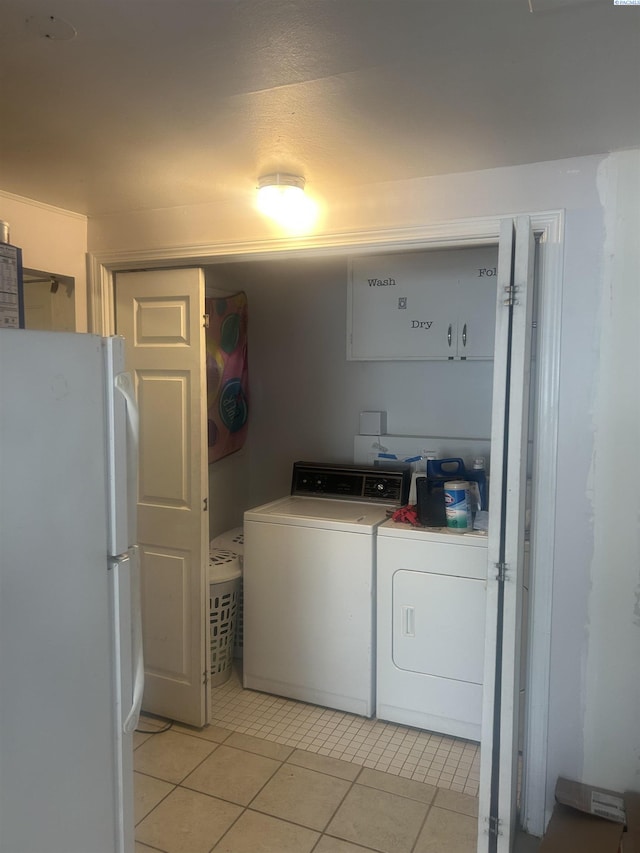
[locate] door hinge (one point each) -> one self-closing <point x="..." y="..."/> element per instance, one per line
<point x="502" y="571"/>
<point x="205" y="504"/>
<point x="205" y="321"/>
<point x="205" y="678"/>
<point x="511" y="294"/>
<point x="494" y="826"/>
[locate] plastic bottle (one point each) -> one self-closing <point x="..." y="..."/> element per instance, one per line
<point x="430" y="490"/>
<point x="445" y="469"/>
<point x="478" y="475"/>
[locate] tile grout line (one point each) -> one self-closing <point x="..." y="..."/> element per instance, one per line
<point x="228" y="829"/>
<point x="153" y="808"/>
<point x="423" y="824"/>
<point x="321" y="832"/>
<point x="245" y="808"/>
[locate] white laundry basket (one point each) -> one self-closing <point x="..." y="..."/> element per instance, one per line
<point x="230" y="540"/>
<point x="224" y="576"/>
<point x="233" y="540"/>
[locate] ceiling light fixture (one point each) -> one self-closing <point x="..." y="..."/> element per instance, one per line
<point x="281" y="197"/>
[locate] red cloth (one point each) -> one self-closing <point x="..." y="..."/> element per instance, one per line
<point x="407" y="515"/>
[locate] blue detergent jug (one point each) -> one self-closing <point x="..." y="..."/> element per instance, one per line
<point x="446" y="469"/>
<point x="430" y="490"/>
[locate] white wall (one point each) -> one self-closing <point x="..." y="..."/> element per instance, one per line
<point x="306" y="397"/>
<point x="52" y="240"/>
<point x="593" y="664"/>
<point x="47" y="310"/>
<point x="612" y="677"/>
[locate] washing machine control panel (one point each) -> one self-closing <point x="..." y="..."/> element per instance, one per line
<point x="372" y="484"/>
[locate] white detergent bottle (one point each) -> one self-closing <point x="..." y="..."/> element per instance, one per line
<point x="480" y="483"/>
<point x="479" y="476"/>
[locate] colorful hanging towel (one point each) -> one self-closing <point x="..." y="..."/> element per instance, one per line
<point x="227" y="374"/>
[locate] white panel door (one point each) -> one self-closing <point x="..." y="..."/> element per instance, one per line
<point x="509" y="433"/>
<point x="160" y="314"/>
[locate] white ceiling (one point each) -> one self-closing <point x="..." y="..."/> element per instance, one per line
<point x="157" y="103"/>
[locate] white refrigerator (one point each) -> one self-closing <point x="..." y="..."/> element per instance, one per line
<point x="70" y="640"/>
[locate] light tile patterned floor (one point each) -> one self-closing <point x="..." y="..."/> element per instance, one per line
<point x="422" y="756"/>
<point x="216" y="791"/>
<point x="219" y="790"/>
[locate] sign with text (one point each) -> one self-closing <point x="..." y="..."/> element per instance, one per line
<point x="420" y="305"/>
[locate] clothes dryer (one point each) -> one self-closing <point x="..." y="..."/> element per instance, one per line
<point x="431" y="601"/>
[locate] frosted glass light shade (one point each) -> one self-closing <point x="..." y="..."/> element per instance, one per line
<point x="282" y="198"/>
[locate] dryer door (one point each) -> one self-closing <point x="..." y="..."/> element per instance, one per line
<point x="438" y="625"/>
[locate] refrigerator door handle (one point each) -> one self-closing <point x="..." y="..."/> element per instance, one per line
<point x="131" y="720"/>
<point x="124" y="384"/>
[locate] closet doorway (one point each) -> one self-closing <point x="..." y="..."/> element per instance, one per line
<point x="548" y="226"/>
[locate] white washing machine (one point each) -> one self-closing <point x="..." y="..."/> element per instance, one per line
<point x="309" y="585"/>
<point x="431" y="590"/>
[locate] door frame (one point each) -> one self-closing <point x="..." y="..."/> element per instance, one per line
<point x="537" y="799"/>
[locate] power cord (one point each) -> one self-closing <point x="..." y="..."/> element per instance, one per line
<point x="166" y="728"/>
